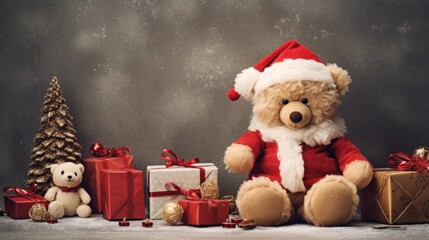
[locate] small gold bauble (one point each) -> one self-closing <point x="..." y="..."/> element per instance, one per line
<point x="38" y="212"/>
<point x="172" y="213"/>
<point x="209" y="190"/>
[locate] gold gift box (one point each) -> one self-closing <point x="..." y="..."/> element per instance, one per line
<point x="396" y="197"/>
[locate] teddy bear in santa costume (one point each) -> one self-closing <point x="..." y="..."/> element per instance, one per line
<point x="301" y="165"/>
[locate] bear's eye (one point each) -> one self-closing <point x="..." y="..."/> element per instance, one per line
<point x="62" y="172"/>
<point x="304" y="100"/>
<point x="75" y="174"/>
<point x="285" y="101"/>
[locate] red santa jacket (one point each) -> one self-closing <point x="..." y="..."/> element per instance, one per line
<point x="295" y="164"/>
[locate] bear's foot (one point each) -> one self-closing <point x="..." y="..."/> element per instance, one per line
<point x="56" y="209"/>
<point x="330" y="202"/>
<point x="264" y="201"/>
<point x="83" y="211"/>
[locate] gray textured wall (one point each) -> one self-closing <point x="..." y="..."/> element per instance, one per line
<point x="154" y="74"/>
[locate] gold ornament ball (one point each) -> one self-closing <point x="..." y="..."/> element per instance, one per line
<point x="209" y="190"/>
<point x="38" y="212"/>
<point x="172" y="213"/>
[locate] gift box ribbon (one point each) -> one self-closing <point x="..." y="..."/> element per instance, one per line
<point x="24" y="193"/>
<point x="130" y="199"/>
<point x="191" y="194"/>
<point x="172" y="160"/>
<point x="404" y="162"/>
<point x="129" y="203"/>
<point x="98" y="150"/>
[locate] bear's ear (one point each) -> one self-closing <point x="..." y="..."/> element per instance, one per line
<point x="53" y="167"/>
<point x="341" y="78"/>
<point x="81" y="167"/>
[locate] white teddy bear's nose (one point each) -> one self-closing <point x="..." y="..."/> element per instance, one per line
<point x="69" y="176"/>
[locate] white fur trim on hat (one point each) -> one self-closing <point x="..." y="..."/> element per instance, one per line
<point x="293" y="70"/>
<point x="289" y="146"/>
<point x="245" y="81"/>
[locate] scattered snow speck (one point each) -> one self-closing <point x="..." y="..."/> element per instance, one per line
<point x="88" y="40"/>
<point x="179" y="11"/>
<point x="328" y="35"/>
<point x="207" y="61"/>
<point x="36" y="23"/>
<point x="404" y="28"/>
<point x="131" y="30"/>
<point x="185" y="107"/>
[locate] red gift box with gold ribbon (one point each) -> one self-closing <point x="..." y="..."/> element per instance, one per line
<point x="123" y="194"/>
<point x="104" y="158"/>
<point x="198" y="211"/>
<point x="17" y="205"/>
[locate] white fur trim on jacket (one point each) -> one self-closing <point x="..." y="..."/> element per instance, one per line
<point x="290" y="149"/>
<point x="293" y="70"/>
<point x="245" y="81"/>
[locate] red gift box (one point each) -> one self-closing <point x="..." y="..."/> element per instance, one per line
<point x="204" y="212"/>
<point x="17" y="206"/>
<point x="115" y="159"/>
<point x="123" y="194"/>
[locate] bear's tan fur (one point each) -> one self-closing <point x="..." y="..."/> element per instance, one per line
<point x="266" y="201"/>
<point x="62" y="203"/>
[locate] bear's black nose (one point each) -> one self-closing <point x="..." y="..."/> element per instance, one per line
<point x="69" y="176"/>
<point x="295" y="117"/>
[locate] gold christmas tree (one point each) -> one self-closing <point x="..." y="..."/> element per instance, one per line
<point x="56" y="140"/>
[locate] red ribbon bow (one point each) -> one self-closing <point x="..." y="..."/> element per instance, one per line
<point x="173" y="160"/>
<point x="22" y="192"/>
<point x="404" y="162"/>
<point x="191" y="194"/>
<point x="67" y="189"/>
<point x="97" y="150"/>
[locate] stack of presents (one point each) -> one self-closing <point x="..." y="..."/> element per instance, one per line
<point x="117" y="189"/>
<point x="397" y="195"/>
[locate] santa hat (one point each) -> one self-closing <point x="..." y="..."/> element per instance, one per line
<point x="290" y="62"/>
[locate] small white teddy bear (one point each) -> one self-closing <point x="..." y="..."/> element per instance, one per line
<point x="67" y="197"/>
